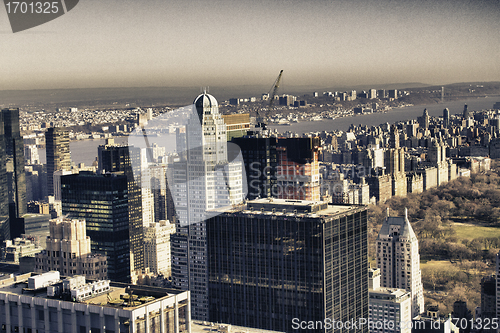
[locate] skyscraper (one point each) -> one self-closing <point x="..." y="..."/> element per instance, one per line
<point x="4" y="189"/>
<point x="446" y="118"/>
<point x="157" y="247"/>
<point x="261" y="164"/>
<point x="16" y="177"/>
<point x="58" y="154"/>
<point x="113" y="158"/>
<point x="102" y="201"/>
<point x="205" y="179"/>
<point x="488" y="297"/>
<point x="273" y="263"/>
<point x="394" y="140"/>
<point x="424" y="120"/>
<point x="466" y="113"/>
<point x="398" y="259"/>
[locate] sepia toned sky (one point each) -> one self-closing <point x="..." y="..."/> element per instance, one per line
<point x="130" y="43"/>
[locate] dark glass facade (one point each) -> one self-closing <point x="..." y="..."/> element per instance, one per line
<point x="4" y="191"/>
<point x="113" y="158"/>
<point x="58" y="154"/>
<point x="259" y="156"/>
<point x="16" y="177"/>
<point x="267" y="269"/>
<point x="102" y="200"/>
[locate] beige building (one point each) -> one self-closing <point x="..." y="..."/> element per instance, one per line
<point x="18" y="248"/>
<point x="399" y="261"/>
<point x="148" y="207"/>
<point x="44" y="303"/>
<point x="389" y="309"/>
<point x="157" y="247"/>
<point x="68" y="251"/>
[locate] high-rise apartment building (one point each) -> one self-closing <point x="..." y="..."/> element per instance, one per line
<point x="68" y="251"/>
<point x="157" y="247"/>
<point x="16" y="177"/>
<point x="102" y="201"/>
<point x="275" y="264"/>
<point x="206" y="178"/>
<point x="446" y="118"/>
<point x="398" y="259"/>
<point x="237" y="125"/>
<point x="298" y="169"/>
<point x="126" y="159"/>
<point x="392" y="94"/>
<point x="389" y="309"/>
<point x="58" y="154"/>
<point x="488" y="297"/>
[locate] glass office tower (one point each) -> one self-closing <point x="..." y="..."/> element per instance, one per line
<point x="58" y="154"/>
<point x="4" y="192"/>
<point x="274" y="263"/>
<point x="113" y="158"/>
<point x="102" y="200"/>
<point x="16" y="177"/>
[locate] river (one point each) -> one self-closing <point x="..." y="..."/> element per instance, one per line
<point x="85" y="151"/>
<point x="392" y="116"/>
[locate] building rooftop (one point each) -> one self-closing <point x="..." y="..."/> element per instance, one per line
<point x="301" y="208"/>
<point x="397" y="226"/>
<point x="206" y="327"/>
<point x="117" y="295"/>
<point x="389" y="294"/>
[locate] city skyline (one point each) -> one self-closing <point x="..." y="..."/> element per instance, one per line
<point x="152" y="43"/>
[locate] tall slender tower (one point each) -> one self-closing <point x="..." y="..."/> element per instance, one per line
<point x="398" y="259"/>
<point x="446" y="118"/>
<point x="58" y="154"/>
<point x="204" y="180"/>
<point x="4" y="192"/>
<point x="466" y="113"/>
<point x="16" y="177"/>
<point x="114" y="158"/>
<point x="426" y="119"/>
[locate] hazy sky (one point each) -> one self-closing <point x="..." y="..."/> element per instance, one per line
<point x="127" y="43"/>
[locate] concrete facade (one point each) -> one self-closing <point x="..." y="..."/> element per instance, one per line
<point x="68" y="251"/>
<point x="106" y="310"/>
